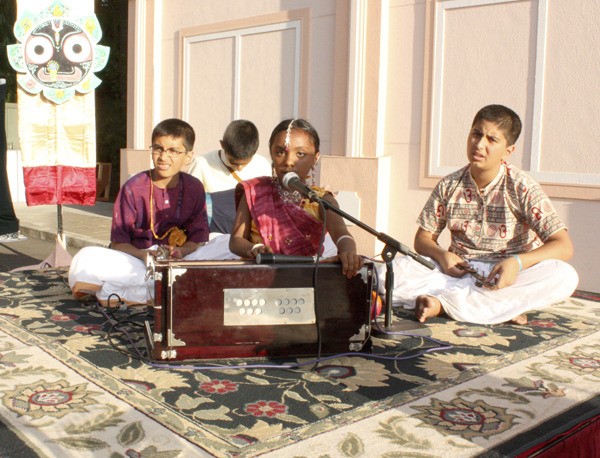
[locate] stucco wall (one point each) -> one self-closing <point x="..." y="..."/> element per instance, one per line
<point x="173" y="17"/>
<point x="406" y="115"/>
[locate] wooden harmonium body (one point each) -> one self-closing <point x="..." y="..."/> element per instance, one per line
<point x="235" y="309"/>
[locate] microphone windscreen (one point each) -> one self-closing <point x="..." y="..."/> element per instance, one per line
<point x="289" y="177"/>
<point x="274" y="258"/>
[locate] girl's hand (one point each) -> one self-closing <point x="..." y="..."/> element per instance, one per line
<point x="258" y="248"/>
<point x="351" y="263"/>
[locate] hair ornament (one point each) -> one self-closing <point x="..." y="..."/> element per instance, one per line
<point x="287" y="134"/>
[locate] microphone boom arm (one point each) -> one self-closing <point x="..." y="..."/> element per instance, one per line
<point x="392" y="246"/>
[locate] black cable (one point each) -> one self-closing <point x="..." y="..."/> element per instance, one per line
<point x="315" y="285"/>
<point x="116" y="324"/>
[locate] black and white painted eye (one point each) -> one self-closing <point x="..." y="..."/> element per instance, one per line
<point x="38" y="50"/>
<point x="77" y="48"/>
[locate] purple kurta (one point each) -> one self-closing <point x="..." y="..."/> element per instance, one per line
<point x="183" y="206"/>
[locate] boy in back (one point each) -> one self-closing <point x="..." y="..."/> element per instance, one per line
<point x="508" y="246"/>
<point x="220" y="171"/>
<point x="236" y="161"/>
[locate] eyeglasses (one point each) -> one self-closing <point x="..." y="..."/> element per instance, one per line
<point x="172" y="153"/>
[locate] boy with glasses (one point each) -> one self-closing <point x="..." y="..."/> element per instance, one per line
<point x="161" y="207"/>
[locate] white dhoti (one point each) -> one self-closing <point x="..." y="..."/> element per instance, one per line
<point x="113" y="276"/>
<point x="536" y="287"/>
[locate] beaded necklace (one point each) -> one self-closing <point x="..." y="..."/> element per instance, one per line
<point x="287" y="197"/>
<point x="176" y="235"/>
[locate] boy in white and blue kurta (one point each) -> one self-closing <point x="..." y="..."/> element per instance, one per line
<point x="503" y="229"/>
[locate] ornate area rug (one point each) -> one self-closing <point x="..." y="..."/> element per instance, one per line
<point x="73" y="382"/>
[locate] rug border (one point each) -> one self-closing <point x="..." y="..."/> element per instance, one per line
<point x="11" y="435"/>
<point x="546" y="431"/>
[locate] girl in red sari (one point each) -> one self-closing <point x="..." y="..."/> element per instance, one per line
<point x="272" y="219"/>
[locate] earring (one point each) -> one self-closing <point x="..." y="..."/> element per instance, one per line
<point x="310" y="178"/>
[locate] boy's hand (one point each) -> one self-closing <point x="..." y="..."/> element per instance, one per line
<point x="179" y="252"/>
<point x="504" y="273"/>
<point x="451" y="264"/>
<point x="161" y="252"/>
<point x="174" y="252"/>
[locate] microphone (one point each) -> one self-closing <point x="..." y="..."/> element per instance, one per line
<point x="274" y="258"/>
<point x="292" y="181"/>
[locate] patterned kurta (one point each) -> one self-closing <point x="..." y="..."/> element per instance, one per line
<point x="511" y="215"/>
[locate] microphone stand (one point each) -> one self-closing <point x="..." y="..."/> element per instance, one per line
<point x="391" y="248"/>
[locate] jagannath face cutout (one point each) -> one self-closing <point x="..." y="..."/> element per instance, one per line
<point x="58" y="54"/>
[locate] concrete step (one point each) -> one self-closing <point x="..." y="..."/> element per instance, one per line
<point x="81" y="225"/>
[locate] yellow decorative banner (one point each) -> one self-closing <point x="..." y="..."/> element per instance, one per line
<point x="56" y="60"/>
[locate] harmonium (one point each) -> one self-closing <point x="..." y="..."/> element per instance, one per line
<point x="239" y="309"/>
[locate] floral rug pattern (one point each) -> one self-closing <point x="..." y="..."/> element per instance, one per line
<point x="74" y="382"/>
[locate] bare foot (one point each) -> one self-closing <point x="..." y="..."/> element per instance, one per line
<point x="426" y="307"/>
<point x="521" y="319"/>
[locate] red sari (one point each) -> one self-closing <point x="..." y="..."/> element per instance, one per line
<point x="286" y="227"/>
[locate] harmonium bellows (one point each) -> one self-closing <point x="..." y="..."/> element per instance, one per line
<point x="237" y="309"/>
